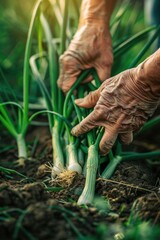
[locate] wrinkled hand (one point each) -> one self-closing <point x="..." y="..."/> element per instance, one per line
<point x="90" y="47"/>
<point x="122" y="105"/>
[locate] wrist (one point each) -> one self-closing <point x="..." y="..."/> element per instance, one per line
<point x="148" y="72"/>
<point x="92" y="21"/>
<point x="96" y="12"/>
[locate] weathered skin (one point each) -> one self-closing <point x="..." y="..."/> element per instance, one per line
<point x="91" y="45"/>
<point x="123" y="103"/>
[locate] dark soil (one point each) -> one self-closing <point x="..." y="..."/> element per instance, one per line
<point x="39" y="208"/>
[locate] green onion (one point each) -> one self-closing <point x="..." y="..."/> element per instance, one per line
<point x="91" y="165"/>
<point x="58" y="159"/>
<point x="51" y="98"/>
<point x="72" y="159"/>
<point x="19" y="131"/>
<point x="22" y="150"/>
<point x="110" y="169"/>
<point x="26" y="65"/>
<point x="87" y="195"/>
<point x="115" y="161"/>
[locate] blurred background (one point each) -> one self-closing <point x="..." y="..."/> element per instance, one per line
<point x="14" y="22"/>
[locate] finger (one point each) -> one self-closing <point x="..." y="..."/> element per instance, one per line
<point x="69" y="72"/>
<point x="126" y="138"/>
<point x="103" y="72"/>
<point x="85" y="125"/>
<point x="65" y="82"/>
<point x="90" y="100"/>
<point x="108" y="139"/>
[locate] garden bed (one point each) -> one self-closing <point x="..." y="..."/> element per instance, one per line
<point x="37" y="207"/>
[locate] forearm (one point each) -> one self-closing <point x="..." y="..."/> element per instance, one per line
<point x="99" y="10"/>
<point x="149" y="72"/>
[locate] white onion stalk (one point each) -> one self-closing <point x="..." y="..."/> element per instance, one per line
<point x="87" y="195"/>
<point x="21" y="144"/>
<point x="72" y="159"/>
<point x="58" y="159"/>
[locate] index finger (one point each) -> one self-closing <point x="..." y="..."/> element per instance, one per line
<point x="85" y="125"/>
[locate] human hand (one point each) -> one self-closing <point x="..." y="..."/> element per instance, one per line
<point x="122" y="105"/>
<point x="90" y="47"/>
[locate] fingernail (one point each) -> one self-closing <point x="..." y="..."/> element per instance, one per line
<point x="79" y="101"/>
<point x="73" y="132"/>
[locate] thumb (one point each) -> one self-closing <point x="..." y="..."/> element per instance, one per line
<point x="90" y="100"/>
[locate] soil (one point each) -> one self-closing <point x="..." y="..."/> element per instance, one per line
<point x="37" y="207"/>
